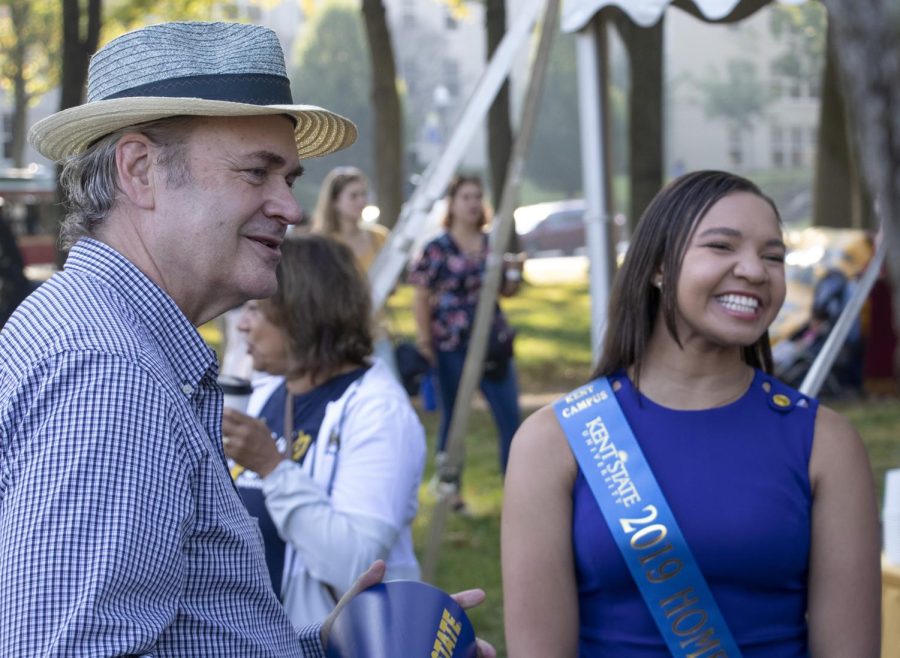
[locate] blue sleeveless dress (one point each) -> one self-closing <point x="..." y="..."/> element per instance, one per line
<point x="737" y="480"/>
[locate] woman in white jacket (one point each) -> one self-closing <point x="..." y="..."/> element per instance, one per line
<point x="331" y="463"/>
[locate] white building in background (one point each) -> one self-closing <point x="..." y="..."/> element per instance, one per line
<point x="439" y="56"/>
<point x="783" y="136"/>
<point x="440" y="59"/>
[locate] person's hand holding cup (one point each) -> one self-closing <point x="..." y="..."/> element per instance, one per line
<point x="513" y="264"/>
<point x="247" y="440"/>
<point x="237" y="392"/>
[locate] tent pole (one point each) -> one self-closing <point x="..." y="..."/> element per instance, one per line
<point x="590" y="48"/>
<point x="487" y="300"/>
<point x="408" y="231"/>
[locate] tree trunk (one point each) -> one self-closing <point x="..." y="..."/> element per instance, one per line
<point x="867" y="39"/>
<point x="837" y="194"/>
<point x="645" y="109"/>
<point x="20" y="114"/>
<point x="387" y="130"/>
<point x="499" y="129"/>
<point x="19" y="17"/>
<point x="76" y="54"/>
<point x="77" y="51"/>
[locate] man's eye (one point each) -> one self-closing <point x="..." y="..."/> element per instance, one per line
<point x="256" y="173"/>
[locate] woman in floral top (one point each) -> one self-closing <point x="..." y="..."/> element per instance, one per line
<point x="447" y="279"/>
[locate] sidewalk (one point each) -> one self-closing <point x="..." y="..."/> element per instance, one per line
<point x="564" y="269"/>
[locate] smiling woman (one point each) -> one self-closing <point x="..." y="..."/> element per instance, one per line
<point x="770" y="490"/>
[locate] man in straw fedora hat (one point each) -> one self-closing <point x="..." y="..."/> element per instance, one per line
<point x="120" y="530"/>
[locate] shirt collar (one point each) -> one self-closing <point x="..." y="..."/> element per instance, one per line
<point x="180" y="343"/>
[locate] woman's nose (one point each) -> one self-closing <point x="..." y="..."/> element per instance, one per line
<point x="750" y="266"/>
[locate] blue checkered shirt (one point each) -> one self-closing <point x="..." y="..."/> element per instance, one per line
<point x="120" y="530"/>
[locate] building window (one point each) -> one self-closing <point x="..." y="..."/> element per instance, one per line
<point x="6" y="137"/>
<point x="815" y="86"/>
<point x="451" y="77"/>
<point x="736" y="147"/>
<point x="797" y="146"/>
<point x="410" y="72"/>
<point x="776" y="82"/>
<point x="776" y="138"/>
<point x="408" y="14"/>
<point x="450" y="21"/>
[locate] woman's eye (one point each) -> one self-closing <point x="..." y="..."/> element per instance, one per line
<point x="775" y="258"/>
<point x="718" y="245"/>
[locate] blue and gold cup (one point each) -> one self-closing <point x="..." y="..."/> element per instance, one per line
<point x="402" y="618"/>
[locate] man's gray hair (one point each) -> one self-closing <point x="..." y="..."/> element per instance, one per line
<point x="90" y="182"/>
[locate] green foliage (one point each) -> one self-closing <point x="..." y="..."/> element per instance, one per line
<point x="333" y="72"/>
<point x="30" y="37"/>
<point x="877" y="422"/>
<point x="739" y="97"/>
<point x="553" y="350"/>
<point x="802" y="30"/>
<point x="470" y="551"/>
<point x="37" y="26"/>
<point x="121" y="16"/>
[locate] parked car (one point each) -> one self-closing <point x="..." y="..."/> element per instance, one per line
<point x="553" y="228"/>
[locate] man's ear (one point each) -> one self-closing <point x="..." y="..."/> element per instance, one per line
<point x="134" y="166"/>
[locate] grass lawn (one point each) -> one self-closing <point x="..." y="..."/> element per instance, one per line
<point x="553" y="355"/>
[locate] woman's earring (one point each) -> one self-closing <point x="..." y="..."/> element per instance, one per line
<point x="658" y="281"/>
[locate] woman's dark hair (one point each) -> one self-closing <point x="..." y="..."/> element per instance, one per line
<point x="323" y="305"/>
<point x="453" y="188"/>
<point x="658" y="244"/>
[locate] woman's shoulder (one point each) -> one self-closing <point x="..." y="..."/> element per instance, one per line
<point x="377" y="233"/>
<point x="838" y="450"/>
<point x="433" y="251"/>
<point x="379" y="386"/>
<point x="833" y="431"/>
<point x="540" y="444"/>
<point x="442" y="242"/>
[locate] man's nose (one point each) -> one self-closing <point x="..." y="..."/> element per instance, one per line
<point x="284" y="206"/>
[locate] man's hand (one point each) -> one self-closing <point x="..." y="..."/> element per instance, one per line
<point x="249" y="442"/>
<point x="374" y="575"/>
<point x="469" y="599"/>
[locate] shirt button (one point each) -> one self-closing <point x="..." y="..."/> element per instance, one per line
<point x="187" y="389"/>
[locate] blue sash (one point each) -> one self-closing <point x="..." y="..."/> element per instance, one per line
<point x="642" y="524"/>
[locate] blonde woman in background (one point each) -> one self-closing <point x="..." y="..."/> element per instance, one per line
<point x="338" y="214"/>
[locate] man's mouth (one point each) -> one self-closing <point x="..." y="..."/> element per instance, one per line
<point x="266" y="241"/>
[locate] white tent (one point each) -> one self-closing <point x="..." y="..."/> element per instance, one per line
<point x="578" y="16"/>
<point x="577" y="13"/>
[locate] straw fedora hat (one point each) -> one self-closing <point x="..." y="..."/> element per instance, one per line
<point x="194" y="69"/>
